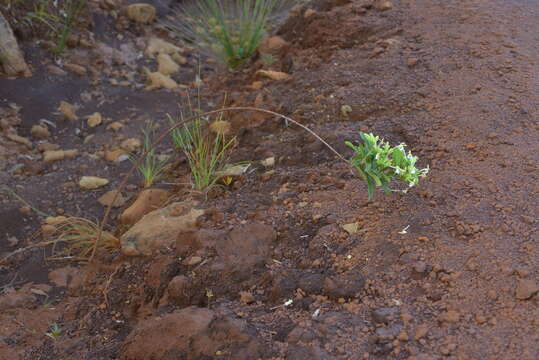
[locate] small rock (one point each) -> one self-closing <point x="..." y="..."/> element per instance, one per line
<point x="160" y="46"/>
<point x="179" y="59"/>
<point x="383" y="5"/>
<point x="141" y="13"/>
<point x="157" y="80"/>
<point x="344" y="286"/>
<point x="272" y="45"/>
<point x="147" y="201"/>
<point x="114" y="155"/>
<point x="312" y="284"/>
<point x="131" y="145"/>
<point x="53" y="69"/>
<point x="526" y="288"/>
<point x="421" y="331"/>
<point x="274" y="75"/>
<point x="107" y="198"/>
<point x="92" y="182"/>
<point x="57" y="155"/>
<point x="19" y="140"/>
<point x="385" y="315"/>
<point x="77" y="69"/>
<point x="411" y="62"/>
<point x="115" y="126"/>
<point x="192" y="261"/>
<point x="308" y="13"/>
<point x="47" y="147"/>
<point x="450" y="316"/>
<point x="166" y="65"/>
<point x="68" y="110"/>
<point x="387" y="334"/>
<point x="94" y="120"/>
<point x="69" y="277"/>
<point x="257" y="85"/>
<point x="351" y="228"/>
<point x="247" y="297"/>
<point x="269" y="162"/>
<point x="178" y="290"/>
<point x="40" y="132"/>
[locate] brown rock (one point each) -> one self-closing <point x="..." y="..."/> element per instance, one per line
<point x="57" y="155"/>
<point x="141" y="13"/>
<point x="77" y="69"/>
<point x="160" y="228"/>
<point x="94" y="120"/>
<point x="40" y="132"/>
<point x="421" y="331"/>
<point x="69" y="277"/>
<point x="131" y="145"/>
<point x="274" y="75"/>
<point x="526" y="288"/>
<point x="47" y="147"/>
<point x="12" y="58"/>
<point x="272" y="45"/>
<point x="53" y="69"/>
<point x="179" y="290"/>
<point x="108" y="198"/>
<point x="148" y="200"/>
<point x="19" y="140"/>
<point x="166" y="65"/>
<point x="247" y="297"/>
<point x="68" y="110"/>
<point x="383" y="5"/>
<point x="411" y="62"/>
<point x="114" y="155"/>
<point x="450" y="316"/>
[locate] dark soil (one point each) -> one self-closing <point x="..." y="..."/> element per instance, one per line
<point x="448" y="270"/>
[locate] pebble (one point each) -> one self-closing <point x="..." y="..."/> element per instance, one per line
<point x="526" y="288"/>
<point x="92" y="182"/>
<point x="40" y="132"/>
<point x="385" y="314"/>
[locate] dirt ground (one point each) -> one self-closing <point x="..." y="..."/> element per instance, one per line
<point x="449" y="270"/>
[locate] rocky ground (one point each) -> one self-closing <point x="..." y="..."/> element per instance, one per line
<point x="291" y="261"/>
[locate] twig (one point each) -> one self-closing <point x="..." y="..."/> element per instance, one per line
<point x="5" y="188"/>
<point x="180" y="123"/>
<point x="107" y="285"/>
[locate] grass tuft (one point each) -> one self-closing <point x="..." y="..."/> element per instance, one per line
<point x="152" y="167"/>
<point x="229" y="30"/>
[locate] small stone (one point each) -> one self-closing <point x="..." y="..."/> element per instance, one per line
<point x="147" y="201"/>
<point x="411" y="62"/>
<point x="57" y="155"/>
<point x="20" y="140"/>
<point x="308" y="13"/>
<point x="107" y="198"/>
<point x="450" y="316"/>
<point x="160" y="46"/>
<point x="166" y="65"/>
<point x="385" y="315"/>
<point x="77" y="69"/>
<point x="115" y="126"/>
<point x="274" y="75"/>
<point x="421" y="331"/>
<point x="192" y="261"/>
<point x="68" y="110"/>
<point x="257" y="85"/>
<point x="131" y="145"/>
<point x="272" y="45"/>
<point x="383" y="5"/>
<point x="92" y="182"/>
<point x="157" y="81"/>
<point x="53" y="69"/>
<point x="114" y="155"/>
<point x="526" y="288"/>
<point x="94" y="120"/>
<point x="141" y="13"/>
<point x="269" y="162"/>
<point x="420" y="267"/>
<point x="40" y="132"/>
<point x="423" y="239"/>
<point x="47" y="147"/>
<point x="351" y="228"/>
<point x="246" y="297"/>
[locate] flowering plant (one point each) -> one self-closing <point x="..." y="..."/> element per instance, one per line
<point x="379" y="163"/>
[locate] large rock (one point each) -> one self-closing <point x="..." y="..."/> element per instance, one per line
<point x="11" y="59"/>
<point x="191" y="333"/>
<point x="160" y="228"/>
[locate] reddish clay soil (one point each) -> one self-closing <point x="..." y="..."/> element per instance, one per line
<point x="449" y="270"/>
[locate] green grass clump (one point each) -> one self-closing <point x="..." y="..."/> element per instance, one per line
<point x="229" y="30"/>
<point x="379" y="163"/>
<point x="152" y="168"/>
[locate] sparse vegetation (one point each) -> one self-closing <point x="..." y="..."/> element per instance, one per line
<point x="379" y="163"/>
<point x="153" y="167"/>
<point x="54" y="331"/>
<point x="229" y="30"/>
<point x="75" y="238"/>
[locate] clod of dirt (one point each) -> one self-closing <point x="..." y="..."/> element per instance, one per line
<point x="148" y="200"/>
<point x="274" y="75"/>
<point x="343" y="286"/>
<point x="272" y="45"/>
<point x="141" y="13"/>
<point x="160" y="228"/>
<point x="160" y="46"/>
<point x="94" y="120"/>
<point x="68" y="110"/>
<point x="40" y="132"/>
<point x="92" y="182"/>
<point x="57" y="155"/>
<point x="108" y="198"/>
<point x="68" y="277"/>
<point x="526" y="288"/>
<point x="191" y="333"/>
<point x="157" y="80"/>
<point x="166" y="65"/>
